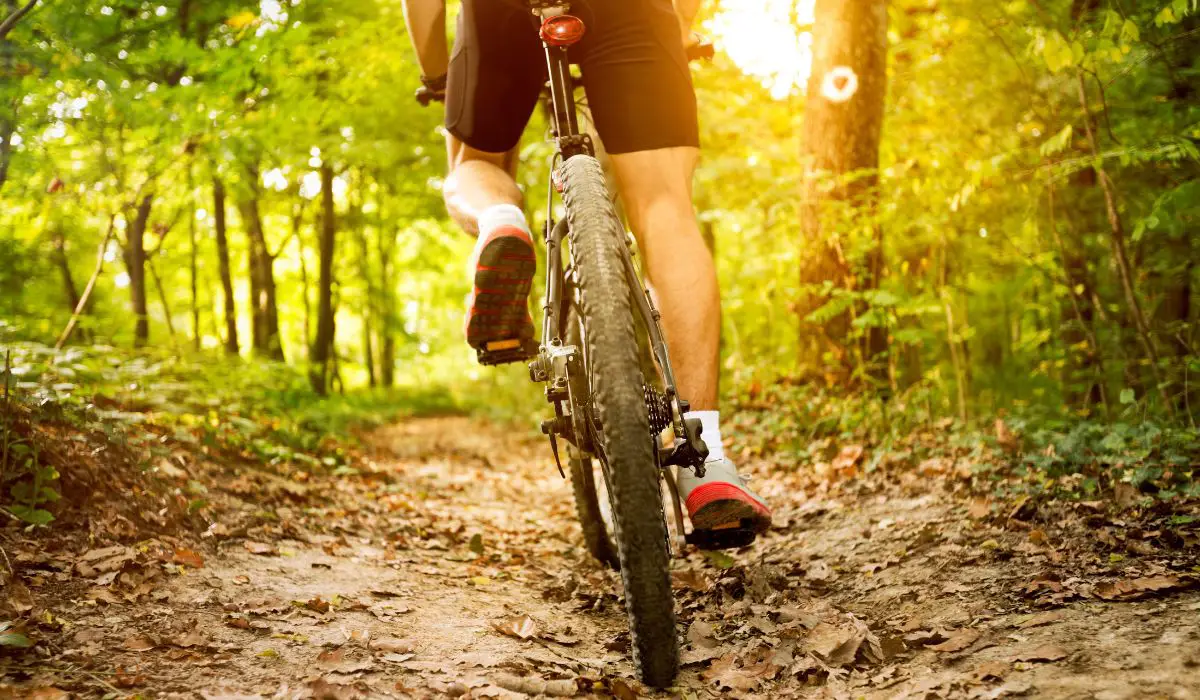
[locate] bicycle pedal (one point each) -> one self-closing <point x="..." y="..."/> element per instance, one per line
<point x="726" y="537"/>
<point x="503" y="352"/>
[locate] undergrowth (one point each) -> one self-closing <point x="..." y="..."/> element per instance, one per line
<point x="145" y="402"/>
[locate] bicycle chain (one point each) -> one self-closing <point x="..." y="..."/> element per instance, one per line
<point x="658" y="408"/>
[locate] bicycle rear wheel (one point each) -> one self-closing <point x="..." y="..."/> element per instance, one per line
<point x="626" y="450"/>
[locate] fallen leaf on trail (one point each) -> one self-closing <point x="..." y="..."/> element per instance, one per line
<point x="1042" y="619"/>
<point x="192" y="638"/>
<point x="241" y="579"/>
<point x="1132" y="589"/>
<point x="188" y="557"/>
<point x="139" y="642"/>
<point x="959" y="640"/>
<point x="20" y="600"/>
<point x="721" y="560"/>
<point x="13" y="637"/>
<point x="1046" y="652"/>
<point x="317" y="605"/>
<point x="398" y="646"/>
<point x="700" y="634"/>
<point x="522" y="627"/>
<point x="979" y="508"/>
<point x="260" y="548"/>
<point x="48" y="693"/>
<point x="991" y="671"/>
<point x="846" y="463"/>
<point x="622" y="690"/>
<point x="819" y="571"/>
<point x="725" y="672"/>
<point x="529" y="685"/>
<point x="476" y="544"/>
<point x="396" y="658"/>
<point x="1038" y="537"/>
<point x="481" y="580"/>
<point x="326" y="690"/>
<point x="689" y="579"/>
<point x="128" y="680"/>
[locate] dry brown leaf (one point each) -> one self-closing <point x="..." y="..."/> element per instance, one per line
<point x="522" y="627"/>
<point x="725" y="673"/>
<point x="959" y="640"/>
<point x="622" y="690"/>
<point x="48" y="693"/>
<point x="991" y="671"/>
<point x="845" y="465"/>
<point x="1046" y="652"/>
<point x="259" y="548"/>
<point x="530" y="685"/>
<point x="20" y="600"/>
<point x="1042" y="619"/>
<point x="980" y="508"/>
<point x="391" y="644"/>
<point x="700" y="634"/>
<point x="139" y="642"/>
<point x="188" y="557"/>
<point x="1132" y="589"/>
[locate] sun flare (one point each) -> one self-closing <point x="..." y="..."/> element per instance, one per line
<point x="763" y="40"/>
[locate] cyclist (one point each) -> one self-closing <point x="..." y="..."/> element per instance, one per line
<point x="639" y="88"/>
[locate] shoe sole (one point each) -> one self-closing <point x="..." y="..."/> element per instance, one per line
<point x="499" y="310"/>
<point x="719" y="506"/>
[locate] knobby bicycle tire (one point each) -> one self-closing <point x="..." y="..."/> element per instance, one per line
<point x="619" y="406"/>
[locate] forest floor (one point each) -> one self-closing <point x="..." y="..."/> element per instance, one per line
<point x="449" y="565"/>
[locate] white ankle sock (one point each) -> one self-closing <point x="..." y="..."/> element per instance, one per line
<point x="499" y="215"/>
<point x="710" y="421"/>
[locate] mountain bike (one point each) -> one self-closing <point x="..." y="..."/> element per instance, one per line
<point x="618" y="411"/>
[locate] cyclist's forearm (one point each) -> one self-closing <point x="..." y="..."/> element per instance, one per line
<point x="687" y="10"/>
<point x="426" y="20"/>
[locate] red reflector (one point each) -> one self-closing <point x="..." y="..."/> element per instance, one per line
<point x="562" y="30"/>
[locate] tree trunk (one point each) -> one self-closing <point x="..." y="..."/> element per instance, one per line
<point x="70" y="291"/>
<point x="843" y="121"/>
<point x="387" y="310"/>
<point x="135" y="264"/>
<point x="297" y="233"/>
<point x="323" y="345"/>
<point x="193" y="266"/>
<point x="265" y="312"/>
<point x="231" y="333"/>
<point x="368" y="308"/>
<point x="1117" y="240"/>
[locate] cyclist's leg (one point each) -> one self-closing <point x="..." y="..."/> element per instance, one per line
<point x="492" y="87"/>
<point x="640" y="90"/>
<point x="656" y="191"/>
<point x="477" y="181"/>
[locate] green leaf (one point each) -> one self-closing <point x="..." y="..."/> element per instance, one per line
<point x="12" y="638"/>
<point x="1058" y="142"/>
<point x="1164" y="17"/>
<point x="1127" y="396"/>
<point x="1058" y="52"/>
<point x="721" y="560"/>
<point x="33" y="516"/>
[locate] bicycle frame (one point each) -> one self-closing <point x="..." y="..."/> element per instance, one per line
<point x="560" y="366"/>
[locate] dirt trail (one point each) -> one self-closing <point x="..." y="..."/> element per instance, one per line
<point x="451" y="567"/>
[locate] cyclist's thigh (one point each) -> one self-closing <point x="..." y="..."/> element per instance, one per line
<point x="458" y="153"/>
<point x="496" y="73"/>
<point x="636" y="75"/>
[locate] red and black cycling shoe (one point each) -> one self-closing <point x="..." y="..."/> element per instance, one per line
<point x="498" y="321"/>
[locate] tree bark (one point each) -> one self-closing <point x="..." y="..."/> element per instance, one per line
<point x="323" y="345"/>
<point x="265" y="312"/>
<point x="387" y="324"/>
<point x="70" y="291"/>
<point x="231" y="333"/>
<point x="368" y="308"/>
<point x="135" y="264"/>
<point x="1117" y="239"/>
<point x="87" y="290"/>
<point x="842" y="127"/>
<point x="193" y="264"/>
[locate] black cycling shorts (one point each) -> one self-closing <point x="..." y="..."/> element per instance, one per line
<point x="635" y="73"/>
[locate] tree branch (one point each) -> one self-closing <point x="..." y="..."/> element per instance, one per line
<point x="8" y="24"/>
